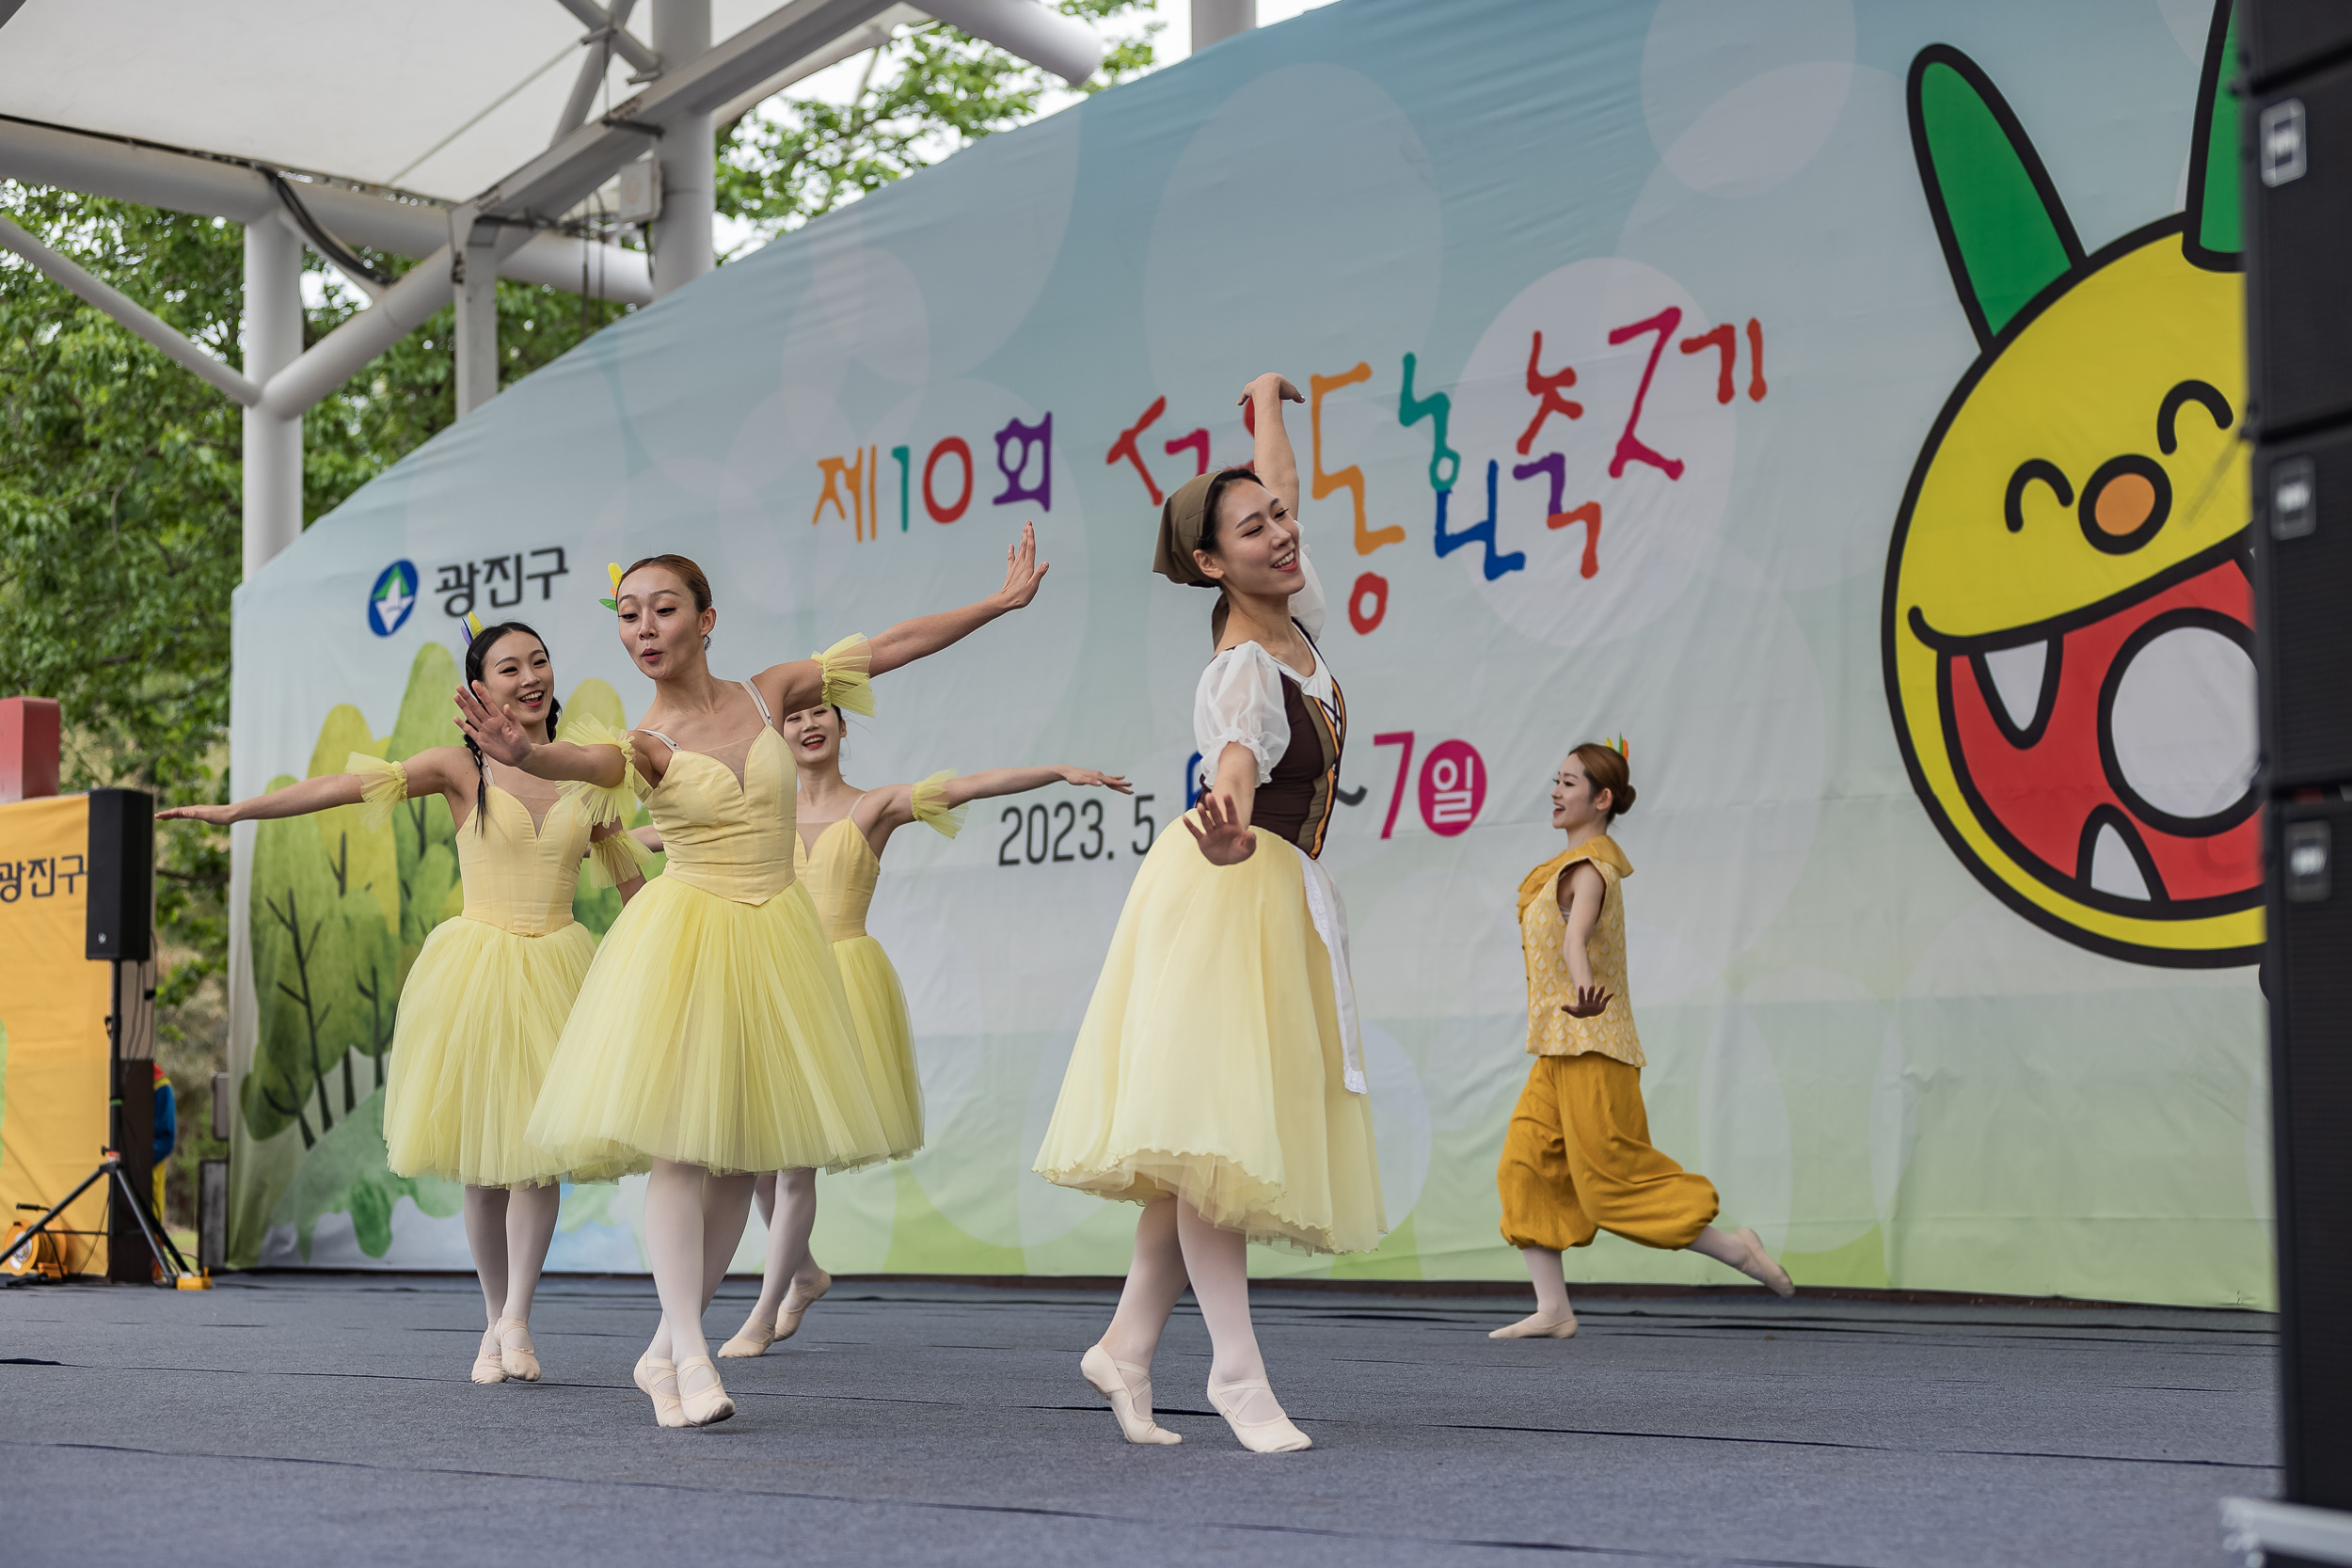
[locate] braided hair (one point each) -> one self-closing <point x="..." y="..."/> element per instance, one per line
<point x="477" y="652"/>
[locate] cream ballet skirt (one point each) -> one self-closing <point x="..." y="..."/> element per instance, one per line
<point x="1211" y="1062"/>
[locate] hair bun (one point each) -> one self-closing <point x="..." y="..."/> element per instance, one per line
<point x="1621" y="798"/>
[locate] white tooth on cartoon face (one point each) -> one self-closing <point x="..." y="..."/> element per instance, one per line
<point x="2017" y="681"/>
<point x="2182" y="725"/>
<point x="2112" y="868"/>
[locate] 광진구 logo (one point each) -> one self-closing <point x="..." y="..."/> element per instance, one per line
<point x="393" y="598"/>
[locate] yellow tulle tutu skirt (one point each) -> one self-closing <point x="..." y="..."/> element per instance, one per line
<point x="478" y="1024"/>
<point x="879" y="1005"/>
<point x="715" y="1033"/>
<point x="1208" y="1065"/>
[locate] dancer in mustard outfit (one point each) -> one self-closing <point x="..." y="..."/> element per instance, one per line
<point x="838" y="853"/>
<point x="489" y="990"/>
<point x="1577" y="1159"/>
<point x="713" y="1034"/>
<point x="1217" y="1078"/>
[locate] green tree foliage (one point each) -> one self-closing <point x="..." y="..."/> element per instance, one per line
<point x="928" y="92"/>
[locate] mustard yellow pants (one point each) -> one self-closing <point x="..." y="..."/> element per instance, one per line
<point x="1578" y="1159"/>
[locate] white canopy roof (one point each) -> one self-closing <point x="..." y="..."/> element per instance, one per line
<point x="442" y="98"/>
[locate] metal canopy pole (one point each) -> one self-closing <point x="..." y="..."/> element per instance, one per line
<point x="1216" y="19"/>
<point x="682" y="247"/>
<point x="273" y="340"/>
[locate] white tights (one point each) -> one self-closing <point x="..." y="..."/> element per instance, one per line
<point x="508" y="1233"/>
<point x="694" y="1220"/>
<point x="787" y="1205"/>
<point x="1175" y="1246"/>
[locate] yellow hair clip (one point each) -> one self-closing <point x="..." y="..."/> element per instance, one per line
<point x="474" y="623"/>
<point x="1619" y="747"/>
<point x="612" y="570"/>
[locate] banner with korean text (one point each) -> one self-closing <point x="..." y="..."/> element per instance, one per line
<point x="1841" y="408"/>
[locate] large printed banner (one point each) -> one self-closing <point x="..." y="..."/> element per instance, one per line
<point x="1840" y="407"/>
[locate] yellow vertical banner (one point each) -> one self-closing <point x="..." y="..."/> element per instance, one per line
<point x="52" y="1024"/>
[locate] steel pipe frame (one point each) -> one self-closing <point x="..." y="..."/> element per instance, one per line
<point x="70" y="275"/>
<point x="72" y="160"/>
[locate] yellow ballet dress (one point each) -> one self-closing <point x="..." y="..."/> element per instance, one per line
<point x="489" y="991"/>
<point x="712" y="1028"/>
<point x="1217" y="1060"/>
<point x="840" y="872"/>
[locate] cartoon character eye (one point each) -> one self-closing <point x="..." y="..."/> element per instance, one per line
<point x="2190" y="392"/>
<point x="2032" y="468"/>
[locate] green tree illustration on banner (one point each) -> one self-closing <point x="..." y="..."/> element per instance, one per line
<point x="425" y="837"/>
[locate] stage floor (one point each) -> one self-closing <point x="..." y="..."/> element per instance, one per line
<point x="327" y="1420"/>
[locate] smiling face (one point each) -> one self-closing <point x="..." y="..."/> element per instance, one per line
<point x="517" y="674"/>
<point x="1255" y="543"/>
<point x="661" y="627"/>
<point x="1576" y="805"/>
<point x="2068" y="619"/>
<point x="814" y="734"/>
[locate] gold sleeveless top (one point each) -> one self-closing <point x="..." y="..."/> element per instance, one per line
<point x="840" y="873"/>
<point x="1544" y="929"/>
<point x="518" y="877"/>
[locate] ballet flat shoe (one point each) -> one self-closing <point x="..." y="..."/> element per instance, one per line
<point x="1536" y="1326"/>
<point x="652" y="1371"/>
<point x="519" y="1362"/>
<point x="1275" y="1437"/>
<point x="1130" y="1401"/>
<point x="704" y="1406"/>
<point x="1761" y="1267"/>
<point x="488" y="1368"/>
<point x="788" y="1317"/>
<point x="751" y="1339"/>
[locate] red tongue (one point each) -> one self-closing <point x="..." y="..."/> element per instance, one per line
<point x="2042" y="796"/>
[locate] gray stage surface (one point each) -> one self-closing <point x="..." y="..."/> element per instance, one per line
<point x="326" y="1421"/>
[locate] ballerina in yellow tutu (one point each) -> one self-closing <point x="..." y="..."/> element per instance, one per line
<point x="490" y="989"/>
<point x="713" y="1036"/>
<point x="1217" y="1078"/>
<point x="842" y="831"/>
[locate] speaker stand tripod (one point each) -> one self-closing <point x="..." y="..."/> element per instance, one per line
<point x="169" y="1261"/>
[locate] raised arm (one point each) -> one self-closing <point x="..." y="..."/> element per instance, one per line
<point x="503" y="738"/>
<point x="800" y="684"/>
<point x="426" y="773"/>
<point x="1270" y="454"/>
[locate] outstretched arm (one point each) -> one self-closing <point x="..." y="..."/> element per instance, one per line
<point x="800" y="684"/>
<point x="1270" y="451"/>
<point x="503" y="738"/>
<point x="426" y="772"/>
<point x="883" y="812"/>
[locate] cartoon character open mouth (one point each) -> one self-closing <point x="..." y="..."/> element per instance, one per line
<point x="2110" y="750"/>
<point x="2067" y="627"/>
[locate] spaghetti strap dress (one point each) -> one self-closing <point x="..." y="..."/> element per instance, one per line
<point x="713" y="1028"/>
<point x="490" y="989"/>
<point x="1219" y="1059"/>
<point x="840" y="871"/>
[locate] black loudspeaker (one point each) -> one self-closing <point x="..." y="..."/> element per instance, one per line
<point x="2299" y="205"/>
<point x="121" y="866"/>
<point x="2302" y="559"/>
<point x="2311" y="1090"/>
<point x="2290" y="39"/>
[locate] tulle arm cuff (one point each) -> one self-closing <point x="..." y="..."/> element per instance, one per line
<point x="615" y="860"/>
<point x="931" y="808"/>
<point x="383" y="786"/>
<point x="848" y="683"/>
<point x="612" y="803"/>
